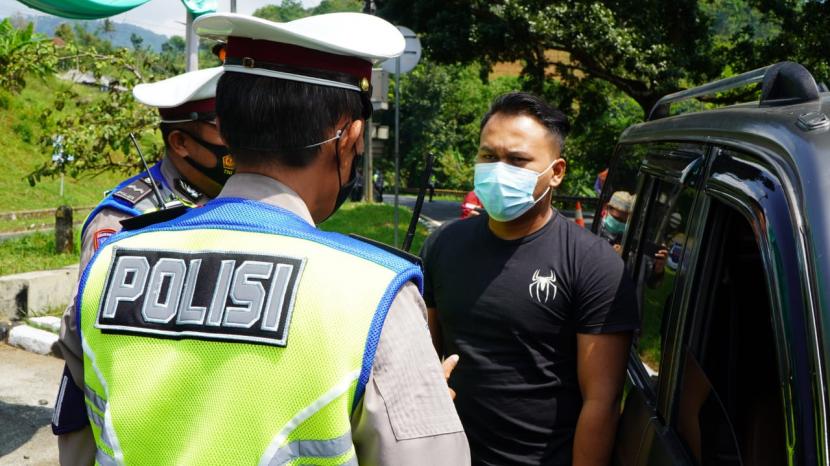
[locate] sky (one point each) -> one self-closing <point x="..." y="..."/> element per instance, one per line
<point x="162" y="16"/>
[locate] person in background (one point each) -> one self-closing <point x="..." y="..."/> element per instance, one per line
<point x="599" y="182"/>
<point x="194" y="168"/>
<point x="538" y="309"/>
<point x="471" y="206"/>
<point x="615" y="218"/>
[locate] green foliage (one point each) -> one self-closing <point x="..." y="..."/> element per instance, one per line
<point x="374" y="221"/>
<point x="643" y="48"/>
<point x="19" y="156"/>
<point x="22" y="54"/>
<point x="289" y="10"/>
<point x="335" y="6"/>
<point x="794" y="30"/>
<point x="441" y="107"/>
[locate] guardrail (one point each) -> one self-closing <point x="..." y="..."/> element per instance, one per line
<point x="38" y="213"/>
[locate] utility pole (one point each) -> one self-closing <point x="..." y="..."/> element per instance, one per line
<point x="233" y="6"/>
<point x="191" y="45"/>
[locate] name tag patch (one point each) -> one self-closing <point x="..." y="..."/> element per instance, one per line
<point x="224" y="296"/>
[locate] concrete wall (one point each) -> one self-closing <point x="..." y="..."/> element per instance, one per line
<point x="34" y="292"/>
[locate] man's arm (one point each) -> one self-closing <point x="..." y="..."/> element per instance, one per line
<point x="406" y="416"/>
<point x="601" y="361"/>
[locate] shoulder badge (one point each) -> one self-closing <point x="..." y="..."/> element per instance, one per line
<point x="102" y="235"/>
<point x="188" y="190"/>
<point x="395" y="251"/>
<point x="135" y="191"/>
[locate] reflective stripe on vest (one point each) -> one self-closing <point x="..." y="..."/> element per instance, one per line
<point x="167" y="355"/>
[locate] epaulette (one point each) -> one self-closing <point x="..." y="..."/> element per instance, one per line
<point x="152" y="218"/>
<point x="135" y="191"/>
<point x="400" y="253"/>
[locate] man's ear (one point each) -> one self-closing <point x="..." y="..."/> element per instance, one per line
<point x="177" y="143"/>
<point x="351" y="142"/>
<point x="558" y="172"/>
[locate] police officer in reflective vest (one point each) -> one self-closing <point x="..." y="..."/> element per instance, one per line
<point x="195" y="167"/>
<point x="238" y="333"/>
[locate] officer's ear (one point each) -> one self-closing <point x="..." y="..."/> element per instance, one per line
<point x="177" y="143"/>
<point x="351" y="142"/>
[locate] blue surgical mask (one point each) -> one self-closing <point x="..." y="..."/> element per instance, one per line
<point x="505" y="191"/>
<point x="612" y="225"/>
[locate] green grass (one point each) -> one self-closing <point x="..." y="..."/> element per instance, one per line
<point x="20" y="133"/>
<point x="34" y="252"/>
<point x="374" y="221"/>
<point x="655" y="301"/>
<point x="34" y="223"/>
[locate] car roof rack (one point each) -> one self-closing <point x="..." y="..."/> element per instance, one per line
<point x="783" y="83"/>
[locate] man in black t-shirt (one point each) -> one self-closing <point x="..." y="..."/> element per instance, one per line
<point x="539" y="310"/>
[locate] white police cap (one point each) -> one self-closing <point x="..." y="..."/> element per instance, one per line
<point x="186" y="97"/>
<point x="337" y="49"/>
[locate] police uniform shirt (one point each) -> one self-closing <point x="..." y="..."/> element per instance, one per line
<point x="511" y="309"/>
<point x="406" y="416"/>
<point x="78" y="447"/>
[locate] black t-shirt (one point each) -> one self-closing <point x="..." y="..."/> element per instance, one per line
<point x="511" y="310"/>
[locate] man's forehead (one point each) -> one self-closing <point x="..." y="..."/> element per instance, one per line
<point x="515" y="133"/>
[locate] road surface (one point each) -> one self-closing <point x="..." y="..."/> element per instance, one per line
<point x="28" y="385"/>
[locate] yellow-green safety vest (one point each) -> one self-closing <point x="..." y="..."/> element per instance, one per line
<point x="235" y="334"/>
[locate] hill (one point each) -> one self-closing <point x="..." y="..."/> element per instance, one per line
<point x="120" y="37"/>
<point x="20" y="132"/>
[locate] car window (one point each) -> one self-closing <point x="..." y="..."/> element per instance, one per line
<point x="659" y="256"/>
<point x="618" y="195"/>
<point x="730" y="409"/>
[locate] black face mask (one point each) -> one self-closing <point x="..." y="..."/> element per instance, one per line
<point x="345" y="189"/>
<point x="224" y="167"/>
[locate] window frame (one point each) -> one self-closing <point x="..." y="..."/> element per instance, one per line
<point x="762" y="200"/>
<point x="662" y="163"/>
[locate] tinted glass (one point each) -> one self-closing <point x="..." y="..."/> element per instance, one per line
<point x="659" y="256"/>
<point x="618" y="198"/>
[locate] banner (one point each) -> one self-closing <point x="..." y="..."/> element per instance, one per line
<point x="96" y="9"/>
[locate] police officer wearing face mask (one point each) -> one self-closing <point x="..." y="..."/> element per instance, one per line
<point x="195" y="166"/>
<point x="239" y="333"/>
<point x="537" y="308"/>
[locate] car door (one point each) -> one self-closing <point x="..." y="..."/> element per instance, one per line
<point x="657" y="246"/>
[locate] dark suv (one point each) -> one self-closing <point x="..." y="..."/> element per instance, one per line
<point x="727" y="242"/>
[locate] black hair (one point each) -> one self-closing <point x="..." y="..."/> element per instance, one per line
<point x="266" y="120"/>
<point x="524" y="103"/>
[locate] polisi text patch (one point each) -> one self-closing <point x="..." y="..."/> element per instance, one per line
<point x="203" y="295"/>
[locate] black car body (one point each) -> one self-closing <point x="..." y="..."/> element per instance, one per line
<point x="728" y="243"/>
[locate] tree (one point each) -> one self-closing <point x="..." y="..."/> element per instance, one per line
<point x="96" y="132"/>
<point x="136" y="40"/>
<point x="794" y="30"/>
<point x="644" y="48"/>
<point x="336" y="6"/>
<point x="287" y="10"/>
<point x="23" y="54"/>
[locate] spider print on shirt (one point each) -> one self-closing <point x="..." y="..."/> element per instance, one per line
<point x="542" y="285"/>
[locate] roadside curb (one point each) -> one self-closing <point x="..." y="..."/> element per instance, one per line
<point x="33" y="340"/>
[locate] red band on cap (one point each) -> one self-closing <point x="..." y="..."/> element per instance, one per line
<point x="184" y="110"/>
<point x="296" y="56"/>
